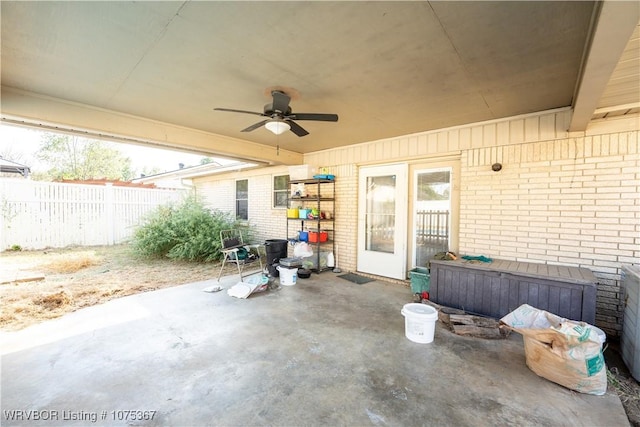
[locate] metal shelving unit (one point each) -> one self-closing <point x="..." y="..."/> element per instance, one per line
<point x="318" y="195"/>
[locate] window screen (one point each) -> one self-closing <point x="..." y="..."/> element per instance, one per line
<point x="280" y="191"/>
<point x="242" y="199"/>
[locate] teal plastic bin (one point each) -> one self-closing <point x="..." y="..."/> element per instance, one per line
<point x="420" y="280"/>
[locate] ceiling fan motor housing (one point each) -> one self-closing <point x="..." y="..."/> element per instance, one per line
<point x="280" y="111"/>
<point x="269" y="111"/>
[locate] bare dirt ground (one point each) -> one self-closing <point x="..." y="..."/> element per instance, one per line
<point x="39" y="285"/>
<point x="73" y="278"/>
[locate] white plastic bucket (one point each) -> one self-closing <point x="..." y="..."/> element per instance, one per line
<point x="288" y="276"/>
<point x="419" y="322"/>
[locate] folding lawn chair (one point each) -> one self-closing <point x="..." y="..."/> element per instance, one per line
<point x="236" y="251"/>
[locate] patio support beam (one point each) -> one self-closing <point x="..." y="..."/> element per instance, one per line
<point x="58" y="115"/>
<point x="613" y="27"/>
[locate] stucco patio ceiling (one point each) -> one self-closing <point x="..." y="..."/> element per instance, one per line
<point x="152" y="72"/>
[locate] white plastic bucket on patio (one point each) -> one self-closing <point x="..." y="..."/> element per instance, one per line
<point x="419" y="322"/>
<point x="288" y="276"/>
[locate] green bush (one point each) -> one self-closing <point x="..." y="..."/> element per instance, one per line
<point x="187" y="231"/>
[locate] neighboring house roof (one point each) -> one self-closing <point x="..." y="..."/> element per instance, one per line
<point x="7" y="166"/>
<point x="195" y="171"/>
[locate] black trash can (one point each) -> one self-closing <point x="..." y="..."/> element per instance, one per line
<point x="275" y="249"/>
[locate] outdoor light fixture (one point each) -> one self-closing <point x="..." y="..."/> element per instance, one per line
<point x="277" y="126"/>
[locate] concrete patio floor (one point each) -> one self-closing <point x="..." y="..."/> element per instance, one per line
<point x="323" y="352"/>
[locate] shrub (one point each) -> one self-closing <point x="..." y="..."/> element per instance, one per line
<point x="188" y="231"/>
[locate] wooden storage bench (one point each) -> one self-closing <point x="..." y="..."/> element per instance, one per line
<point x="495" y="289"/>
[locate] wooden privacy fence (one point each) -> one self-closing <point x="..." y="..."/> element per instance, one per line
<point x="37" y="215"/>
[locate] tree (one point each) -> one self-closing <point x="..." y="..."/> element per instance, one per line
<point x="13" y="155"/>
<point x="73" y="157"/>
<point x="150" y="170"/>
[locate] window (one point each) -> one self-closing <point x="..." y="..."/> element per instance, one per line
<point x="280" y="191"/>
<point x="242" y="199"/>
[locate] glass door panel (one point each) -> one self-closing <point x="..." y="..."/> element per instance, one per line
<point x="432" y="214"/>
<point x="380" y="213"/>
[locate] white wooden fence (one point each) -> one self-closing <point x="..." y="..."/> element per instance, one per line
<point x="37" y="215"/>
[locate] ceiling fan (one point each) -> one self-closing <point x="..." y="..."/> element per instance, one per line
<point x="280" y="117"/>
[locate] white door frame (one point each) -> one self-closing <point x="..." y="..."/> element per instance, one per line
<point x="386" y="264"/>
<point x="414" y="192"/>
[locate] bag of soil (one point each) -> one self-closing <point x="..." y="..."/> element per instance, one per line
<point x="564" y="351"/>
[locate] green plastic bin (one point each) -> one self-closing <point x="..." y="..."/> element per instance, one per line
<point x="420" y="280"/>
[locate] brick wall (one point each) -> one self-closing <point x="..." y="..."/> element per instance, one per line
<point x="558" y="199"/>
<point x="219" y="193"/>
<point x="573" y="202"/>
<point x="346" y="215"/>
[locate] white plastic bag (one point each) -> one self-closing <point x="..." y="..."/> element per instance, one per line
<point x="302" y="250"/>
<point x="298" y="190"/>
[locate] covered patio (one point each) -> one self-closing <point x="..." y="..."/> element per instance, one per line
<point x="325" y="351"/>
<point x="546" y="89"/>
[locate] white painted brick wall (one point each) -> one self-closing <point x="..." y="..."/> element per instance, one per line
<point x="218" y="195"/>
<point x="558" y="199"/>
<point x="346" y="216"/>
<point x="267" y="221"/>
<point x="574" y="202"/>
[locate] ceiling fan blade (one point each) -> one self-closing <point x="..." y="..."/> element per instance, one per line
<point x="280" y="101"/>
<point x="231" y="110"/>
<point x="297" y="129"/>
<point x="255" y="126"/>
<point x="315" y="116"/>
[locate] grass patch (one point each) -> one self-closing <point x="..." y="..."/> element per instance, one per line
<point x="628" y="391"/>
<point x="54" y="301"/>
<point x="73" y="263"/>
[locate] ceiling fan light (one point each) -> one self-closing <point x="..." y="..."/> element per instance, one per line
<point x="277" y="126"/>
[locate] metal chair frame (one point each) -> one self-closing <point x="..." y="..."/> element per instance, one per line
<point x="232" y="241"/>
